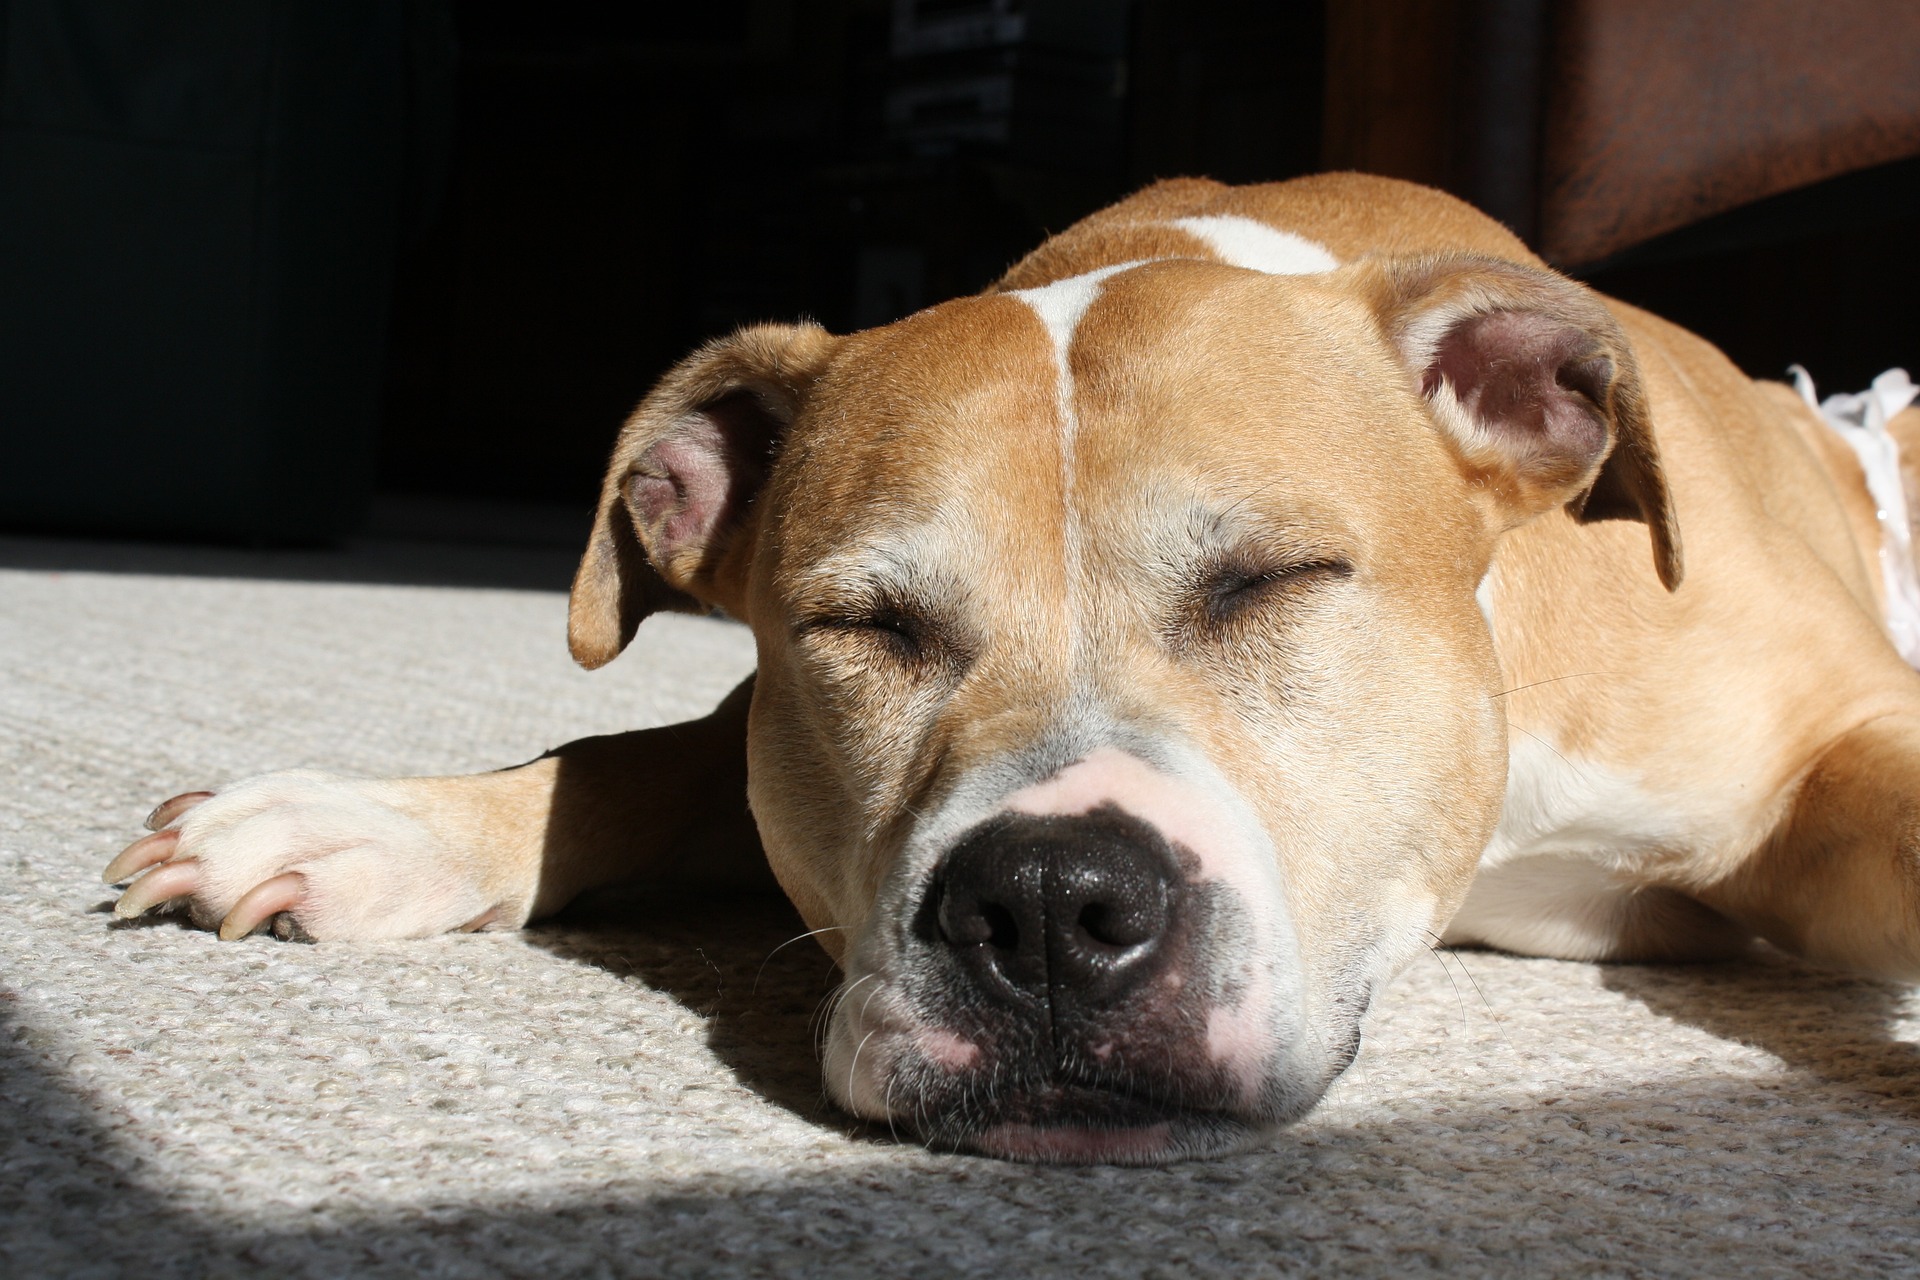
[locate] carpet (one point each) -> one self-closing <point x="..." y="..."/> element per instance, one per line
<point x="632" y="1090"/>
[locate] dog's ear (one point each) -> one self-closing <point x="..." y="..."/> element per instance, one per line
<point x="679" y="492"/>
<point x="1536" y="386"/>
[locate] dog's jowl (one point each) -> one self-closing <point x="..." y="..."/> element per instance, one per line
<point x="1156" y="651"/>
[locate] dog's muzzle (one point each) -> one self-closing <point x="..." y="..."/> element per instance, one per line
<point x="1078" y="959"/>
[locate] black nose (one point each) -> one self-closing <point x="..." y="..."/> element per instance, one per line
<point x="1074" y="911"/>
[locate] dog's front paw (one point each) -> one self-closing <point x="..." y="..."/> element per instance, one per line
<point x="311" y="855"/>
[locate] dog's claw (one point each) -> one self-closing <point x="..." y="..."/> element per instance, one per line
<point x="308" y="855"/>
<point x="140" y="855"/>
<point x="262" y="903"/>
<point x="167" y="810"/>
<point x="162" y="884"/>
<point x="484" y="920"/>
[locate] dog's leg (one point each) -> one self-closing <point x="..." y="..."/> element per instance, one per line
<point x="318" y="856"/>
<point x="1840" y="882"/>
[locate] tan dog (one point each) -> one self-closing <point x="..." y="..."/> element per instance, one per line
<point x="1152" y="648"/>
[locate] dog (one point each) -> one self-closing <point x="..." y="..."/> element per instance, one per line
<point x="1156" y="651"/>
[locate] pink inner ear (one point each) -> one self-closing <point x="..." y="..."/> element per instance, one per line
<point x="694" y="485"/>
<point x="1534" y="380"/>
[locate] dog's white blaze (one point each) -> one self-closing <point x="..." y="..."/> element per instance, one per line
<point x="1060" y="306"/>
<point x="1249" y="243"/>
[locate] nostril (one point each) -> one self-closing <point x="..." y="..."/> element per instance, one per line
<point x="1003" y="929"/>
<point x="966" y="920"/>
<point x="960" y="927"/>
<point x="1120" y="927"/>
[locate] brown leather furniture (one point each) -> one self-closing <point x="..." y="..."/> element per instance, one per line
<point x="1591" y="126"/>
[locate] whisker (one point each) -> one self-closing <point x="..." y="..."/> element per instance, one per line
<point x="1498" y="1023"/>
<point x="823" y="1027"/>
<point x="1458" y="995"/>
<point x="1577" y="675"/>
<point x="811" y="933"/>
<point x="1548" y="745"/>
<point x="869" y="1000"/>
<point x="853" y="1068"/>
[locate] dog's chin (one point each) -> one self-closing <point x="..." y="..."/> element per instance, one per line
<point x="1078" y="1129"/>
<point x="1076" y="1144"/>
<point x="1149" y="1144"/>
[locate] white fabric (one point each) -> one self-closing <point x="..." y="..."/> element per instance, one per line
<point x="1861" y="421"/>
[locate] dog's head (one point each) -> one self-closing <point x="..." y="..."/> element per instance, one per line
<point x="1125" y="715"/>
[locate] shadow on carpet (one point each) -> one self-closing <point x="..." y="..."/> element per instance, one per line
<point x="1589" y="1183"/>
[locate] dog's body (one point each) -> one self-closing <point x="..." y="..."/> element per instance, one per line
<point x="1152" y="649"/>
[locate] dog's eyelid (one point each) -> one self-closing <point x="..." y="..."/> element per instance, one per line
<point x="1236" y="583"/>
<point x="1245" y="572"/>
<point x="907" y="625"/>
<point x="865" y="605"/>
<point x="862" y="620"/>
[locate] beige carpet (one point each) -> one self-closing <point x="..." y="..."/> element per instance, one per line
<point x="633" y="1091"/>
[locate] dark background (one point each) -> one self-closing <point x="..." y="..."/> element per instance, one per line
<point x="625" y="186"/>
<point x="261" y="263"/>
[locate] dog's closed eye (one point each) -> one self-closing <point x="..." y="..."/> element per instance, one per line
<point x="905" y="634"/>
<point x="1233" y="588"/>
<point x="911" y="637"/>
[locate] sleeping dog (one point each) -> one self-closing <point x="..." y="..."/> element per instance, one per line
<point x="1160" y="648"/>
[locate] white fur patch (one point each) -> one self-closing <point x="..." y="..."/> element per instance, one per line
<point x="1249" y="243"/>
<point x="1861" y="420"/>
<point x="1060" y="306"/>
<point x="1483" y="596"/>
<point x="1547" y="883"/>
<point x="1553" y="905"/>
<point x="1558" y="803"/>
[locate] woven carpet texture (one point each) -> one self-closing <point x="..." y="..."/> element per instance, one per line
<point x="632" y="1090"/>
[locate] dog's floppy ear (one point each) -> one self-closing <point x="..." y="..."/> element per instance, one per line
<point x="680" y="489"/>
<point x="1536" y="386"/>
